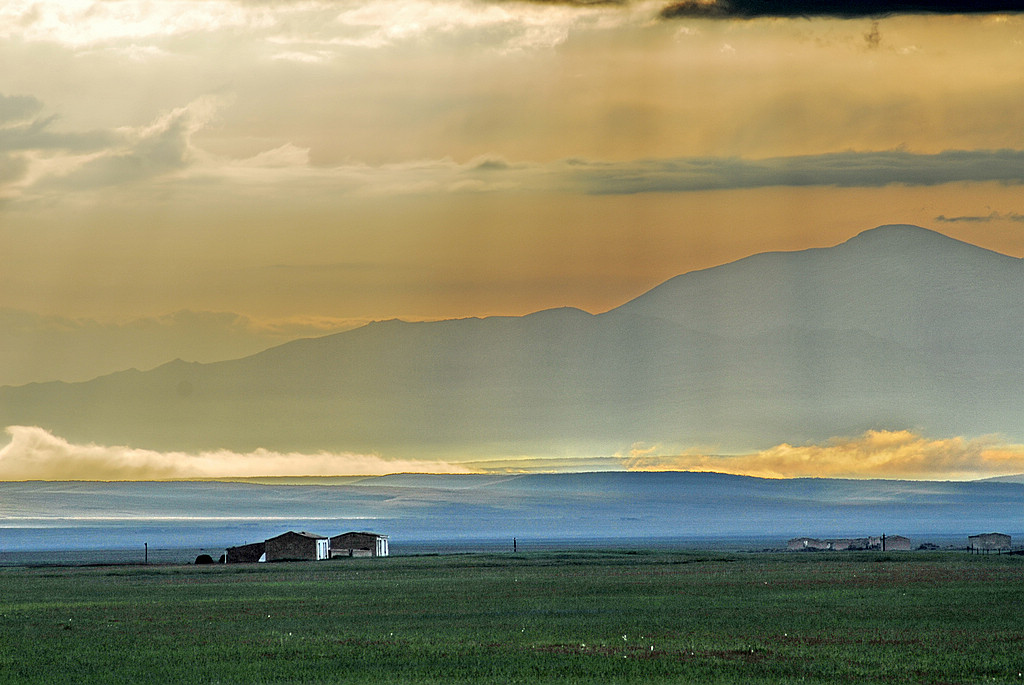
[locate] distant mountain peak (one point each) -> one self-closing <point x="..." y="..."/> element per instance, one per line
<point x="560" y="312"/>
<point x="897" y="229"/>
<point x="908" y="242"/>
<point x="901" y="233"/>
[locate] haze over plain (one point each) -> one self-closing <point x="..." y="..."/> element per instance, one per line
<point x="203" y="180"/>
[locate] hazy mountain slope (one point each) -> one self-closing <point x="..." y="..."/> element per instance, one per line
<point x="901" y="283"/>
<point x="897" y="328"/>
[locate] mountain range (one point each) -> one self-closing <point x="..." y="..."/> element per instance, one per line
<point x="898" y="328"/>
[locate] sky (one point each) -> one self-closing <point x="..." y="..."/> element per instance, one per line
<point x="202" y="179"/>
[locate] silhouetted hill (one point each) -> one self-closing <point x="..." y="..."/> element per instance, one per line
<point x="899" y="327"/>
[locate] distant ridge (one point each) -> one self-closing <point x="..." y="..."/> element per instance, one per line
<point x="899" y="327"/>
<point x="635" y="507"/>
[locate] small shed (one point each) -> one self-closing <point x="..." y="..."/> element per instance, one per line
<point x="988" y="542"/>
<point x="359" y="544"/>
<point x="246" y="554"/>
<point x="292" y="546"/>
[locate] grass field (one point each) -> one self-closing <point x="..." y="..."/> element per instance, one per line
<point x="546" y="617"/>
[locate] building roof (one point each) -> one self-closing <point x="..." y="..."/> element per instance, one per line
<point x="311" y="536"/>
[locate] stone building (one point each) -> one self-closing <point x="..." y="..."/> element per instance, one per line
<point x="988" y="542"/>
<point x="359" y="544"/>
<point x="292" y="546"/>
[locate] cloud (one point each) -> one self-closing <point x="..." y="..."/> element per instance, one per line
<point x="574" y="3"/>
<point x="12" y="168"/>
<point x="24" y="134"/>
<point x="36" y="454"/>
<point x="299" y="27"/>
<point x="109" y="158"/>
<point x="148" y="152"/>
<point x="981" y="219"/>
<point x="85" y="23"/>
<point x="289" y="166"/>
<point x="848" y="9"/>
<point x="38" y="135"/>
<point x="18" y="107"/>
<point x="155" y="153"/>
<point x="875" y="454"/>
<point x="33" y="150"/>
<point x="842" y="169"/>
<point x="501" y="24"/>
<point x="670" y="175"/>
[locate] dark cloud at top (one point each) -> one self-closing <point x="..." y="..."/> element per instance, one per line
<point x="844" y="9"/>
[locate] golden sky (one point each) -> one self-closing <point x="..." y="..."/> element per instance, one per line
<point x="362" y="160"/>
<point x="205" y="178"/>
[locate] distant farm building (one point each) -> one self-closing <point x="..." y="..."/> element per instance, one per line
<point x="896" y="543"/>
<point x="988" y="542"/>
<point x="292" y="546"/>
<point x="246" y="554"/>
<point x="359" y="544"/>
<point x="797" y="544"/>
<point x="890" y="542"/>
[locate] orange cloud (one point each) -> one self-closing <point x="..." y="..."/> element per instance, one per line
<point x="875" y="454"/>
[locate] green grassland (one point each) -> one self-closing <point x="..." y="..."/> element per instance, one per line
<point x="548" y="617"/>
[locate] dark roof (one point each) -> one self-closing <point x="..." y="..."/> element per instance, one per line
<point x="251" y="545"/>
<point x="312" y="536"/>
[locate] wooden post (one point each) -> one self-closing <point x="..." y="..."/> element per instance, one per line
<point x="514" y="546"/>
<point x="147" y="552"/>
